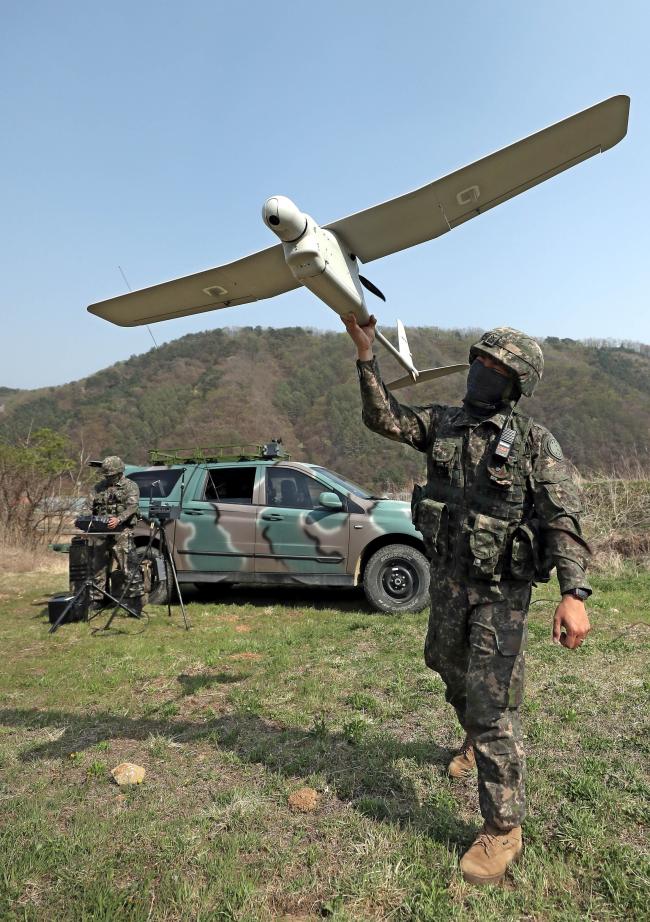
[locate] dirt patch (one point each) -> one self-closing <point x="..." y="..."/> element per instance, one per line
<point x="245" y="656"/>
<point x="243" y="629"/>
<point x="305" y="800"/>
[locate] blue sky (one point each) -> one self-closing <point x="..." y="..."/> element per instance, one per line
<point x="147" y="135"/>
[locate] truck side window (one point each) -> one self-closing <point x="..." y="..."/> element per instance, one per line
<point x="230" y="485"/>
<point x="291" y="489"/>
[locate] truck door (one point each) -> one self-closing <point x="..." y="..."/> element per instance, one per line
<point x="216" y="529"/>
<point x="295" y="535"/>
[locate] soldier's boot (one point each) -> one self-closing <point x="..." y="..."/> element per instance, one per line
<point x="491" y="854"/>
<point x="464" y="762"/>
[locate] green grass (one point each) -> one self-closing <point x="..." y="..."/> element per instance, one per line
<point x="261" y="698"/>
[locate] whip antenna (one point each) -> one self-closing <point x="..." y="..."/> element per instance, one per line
<point x="126" y="282"/>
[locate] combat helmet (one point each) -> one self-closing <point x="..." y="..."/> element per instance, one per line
<point x="112" y="466"/>
<point x="517" y="351"/>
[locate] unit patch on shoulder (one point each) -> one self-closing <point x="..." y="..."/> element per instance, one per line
<point x="552" y="447"/>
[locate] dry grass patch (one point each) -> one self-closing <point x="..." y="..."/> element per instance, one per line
<point x="617" y="520"/>
<point x="15" y="560"/>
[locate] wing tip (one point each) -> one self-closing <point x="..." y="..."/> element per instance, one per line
<point x="103" y="315"/>
<point x="620" y="104"/>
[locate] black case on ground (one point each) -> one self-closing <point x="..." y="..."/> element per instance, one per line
<point x="57" y="604"/>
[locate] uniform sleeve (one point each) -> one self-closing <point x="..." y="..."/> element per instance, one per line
<point x="132" y="499"/>
<point x="558" y="504"/>
<point x="384" y="415"/>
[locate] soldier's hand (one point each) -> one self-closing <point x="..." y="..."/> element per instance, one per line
<point x="362" y="336"/>
<point x="571" y="623"/>
<point x="113" y="521"/>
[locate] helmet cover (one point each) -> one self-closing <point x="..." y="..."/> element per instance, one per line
<point x="112" y="466"/>
<point x="517" y="351"/>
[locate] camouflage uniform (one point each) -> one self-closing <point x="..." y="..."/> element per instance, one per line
<point x="119" y="497"/>
<point x="490" y="529"/>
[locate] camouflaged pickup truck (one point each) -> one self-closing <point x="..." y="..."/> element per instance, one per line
<point x="280" y="522"/>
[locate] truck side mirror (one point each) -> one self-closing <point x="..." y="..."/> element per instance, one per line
<point x="330" y="500"/>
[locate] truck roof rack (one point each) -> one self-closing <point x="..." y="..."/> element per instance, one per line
<point x="271" y="451"/>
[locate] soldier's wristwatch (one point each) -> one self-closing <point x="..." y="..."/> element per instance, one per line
<point x="581" y="594"/>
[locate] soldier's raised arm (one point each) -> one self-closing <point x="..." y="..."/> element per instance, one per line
<point x="381" y="411"/>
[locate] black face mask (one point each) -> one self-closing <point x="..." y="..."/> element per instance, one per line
<point x="487" y="390"/>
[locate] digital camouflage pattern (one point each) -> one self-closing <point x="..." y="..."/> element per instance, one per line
<point x="515" y="520"/>
<point x="517" y="351"/>
<point x="477" y="646"/>
<point x="112" y="466"/>
<point x="118" y="496"/>
<point x="490" y="529"/>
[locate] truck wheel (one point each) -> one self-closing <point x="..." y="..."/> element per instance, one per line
<point x="152" y="564"/>
<point x="396" y="579"/>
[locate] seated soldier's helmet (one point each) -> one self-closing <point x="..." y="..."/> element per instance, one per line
<point x="517" y="351"/>
<point x="112" y="466"/>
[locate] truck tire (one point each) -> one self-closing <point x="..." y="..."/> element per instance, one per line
<point x="396" y="579"/>
<point x="158" y="593"/>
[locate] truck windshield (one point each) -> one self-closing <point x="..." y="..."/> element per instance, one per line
<point x="348" y="485"/>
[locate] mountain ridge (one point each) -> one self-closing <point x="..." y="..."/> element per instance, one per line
<point x="247" y="385"/>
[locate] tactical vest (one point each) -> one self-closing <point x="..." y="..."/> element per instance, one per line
<point x="478" y="522"/>
<point x="112" y="499"/>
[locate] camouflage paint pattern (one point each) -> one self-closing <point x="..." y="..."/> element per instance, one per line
<point x="228" y="540"/>
<point x="220" y="539"/>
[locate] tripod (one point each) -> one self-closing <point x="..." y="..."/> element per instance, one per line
<point x="84" y="595"/>
<point x="156" y="520"/>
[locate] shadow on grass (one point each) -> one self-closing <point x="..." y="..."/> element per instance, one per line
<point x="191" y="684"/>
<point x="262" y="596"/>
<point x="365" y="774"/>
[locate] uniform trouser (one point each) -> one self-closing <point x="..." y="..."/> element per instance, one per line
<point x="125" y="573"/>
<point x="476" y="643"/>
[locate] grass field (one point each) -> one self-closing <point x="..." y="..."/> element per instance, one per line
<point x="271" y="693"/>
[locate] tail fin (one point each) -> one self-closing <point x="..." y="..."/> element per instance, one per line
<point x="403" y="344"/>
<point x="427" y="375"/>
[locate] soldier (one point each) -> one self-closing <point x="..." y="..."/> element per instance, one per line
<point x="116" y="497"/>
<point x="498" y="511"/>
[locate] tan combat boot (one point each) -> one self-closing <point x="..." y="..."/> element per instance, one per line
<point x="464" y="762"/>
<point x="491" y="854"/>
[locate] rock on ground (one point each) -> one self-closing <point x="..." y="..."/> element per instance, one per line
<point x="128" y="773"/>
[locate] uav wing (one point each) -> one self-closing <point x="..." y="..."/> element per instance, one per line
<point x="392" y="226"/>
<point x="261" y="275"/>
<point x="442" y="205"/>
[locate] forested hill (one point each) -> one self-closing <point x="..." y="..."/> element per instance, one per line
<point x="253" y="384"/>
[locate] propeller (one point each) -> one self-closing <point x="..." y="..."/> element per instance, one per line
<point x="403" y="353"/>
<point x="373" y="288"/>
